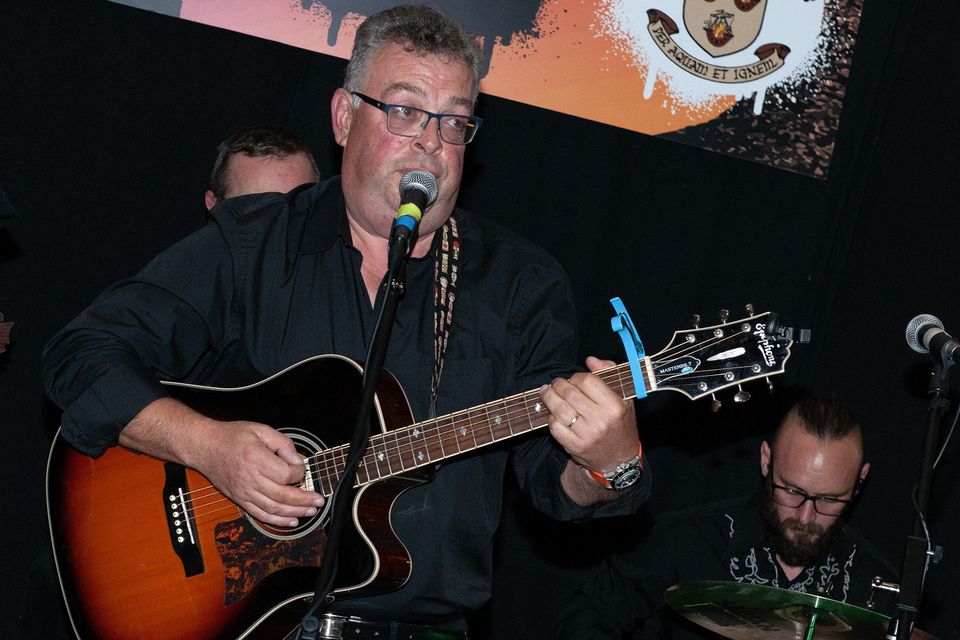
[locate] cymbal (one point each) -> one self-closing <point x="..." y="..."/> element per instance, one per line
<point x="756" y="612"/>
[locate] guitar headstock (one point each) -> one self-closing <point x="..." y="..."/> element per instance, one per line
<point x="703" y="360"/>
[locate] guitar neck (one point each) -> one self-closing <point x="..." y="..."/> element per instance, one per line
<point x="697" y="362"/>
<point x="428" y="442"/>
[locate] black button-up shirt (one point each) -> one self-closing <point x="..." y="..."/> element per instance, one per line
<point x="276" y="280"/>
<point x="720" y="541"/>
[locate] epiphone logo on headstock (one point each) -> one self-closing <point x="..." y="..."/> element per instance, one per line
<point x="763" y="343"/>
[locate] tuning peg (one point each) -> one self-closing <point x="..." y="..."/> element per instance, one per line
<point x="769" y="385"/>
<point x="714" y="403"/>
<point x="741" y="395"/>
<point x="724" y="314"/>
<point x="695" y="320"/>
<point x="749" y="308"/>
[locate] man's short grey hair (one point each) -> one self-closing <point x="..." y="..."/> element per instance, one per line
<point x="418" y="29"/>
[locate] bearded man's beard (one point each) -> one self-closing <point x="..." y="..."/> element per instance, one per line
<point x="797" y="544"/>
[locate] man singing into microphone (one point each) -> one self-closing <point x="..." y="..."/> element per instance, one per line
<point x="485" y="315"/>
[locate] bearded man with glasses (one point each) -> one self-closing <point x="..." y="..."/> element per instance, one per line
<point x="792" y="534"/>
<point x="816" y="474"/>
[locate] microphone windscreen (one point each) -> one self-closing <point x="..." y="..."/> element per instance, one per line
<point x="915" y="330"/>
<point x="421" y="180"/>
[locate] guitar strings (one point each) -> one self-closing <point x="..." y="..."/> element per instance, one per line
<point x="705" y="372"/>
<point x="484" y="428"/>
<point x="420" y="444"/>
<point x="437" y="438"/>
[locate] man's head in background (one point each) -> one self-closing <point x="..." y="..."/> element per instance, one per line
<point x="813" y="469"/>
<point x="260" y="159"/>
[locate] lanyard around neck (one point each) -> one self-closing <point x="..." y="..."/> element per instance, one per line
<point x="445" y="273"/>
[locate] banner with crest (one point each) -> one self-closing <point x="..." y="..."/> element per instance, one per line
<point x="763" y="81"/>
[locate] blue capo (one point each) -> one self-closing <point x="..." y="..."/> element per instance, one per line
<point x="623" y="325"/>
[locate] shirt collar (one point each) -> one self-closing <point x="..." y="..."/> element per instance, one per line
<point x="322" y="213"/>
<point x="321" y="210"/>
<point x="750" y="557"/>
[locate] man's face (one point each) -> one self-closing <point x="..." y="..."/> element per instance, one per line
<point x="804" y="463"/>
<point x="374" y="159"/>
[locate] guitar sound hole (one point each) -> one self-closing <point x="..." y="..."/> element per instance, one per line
<point x="307" y="445"/>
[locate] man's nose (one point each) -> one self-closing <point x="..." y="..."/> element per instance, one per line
<point x="807" y="512"/>
<point x="429" y="136"/>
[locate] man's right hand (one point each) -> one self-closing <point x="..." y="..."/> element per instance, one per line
<point x="253" y="464"/>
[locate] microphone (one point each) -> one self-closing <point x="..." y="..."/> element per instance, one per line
<point x="418" y="190"/>
<point x="925" y="334"/>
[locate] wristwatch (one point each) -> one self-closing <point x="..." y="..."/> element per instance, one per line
<point x="622" y="476"/>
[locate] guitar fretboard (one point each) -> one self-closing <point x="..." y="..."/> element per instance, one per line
<point x="423" y="443"/>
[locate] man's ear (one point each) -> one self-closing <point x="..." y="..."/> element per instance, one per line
<point x="341" y="114"/>
<point x="209" y="199"/>
<point x="765" y="458"/>
<point x="861" y="478"/>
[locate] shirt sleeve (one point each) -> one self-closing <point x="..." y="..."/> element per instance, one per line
<point x="104" y="367"/>
<point x="546" y="335"/>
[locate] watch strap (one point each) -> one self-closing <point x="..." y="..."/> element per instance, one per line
<point x="605" y="479"/>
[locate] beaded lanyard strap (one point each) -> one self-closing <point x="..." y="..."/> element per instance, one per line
<point x="445" y="272"/>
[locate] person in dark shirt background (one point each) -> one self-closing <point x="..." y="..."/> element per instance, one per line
<point x="793" y="534"/>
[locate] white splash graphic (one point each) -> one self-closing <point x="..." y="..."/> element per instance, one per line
<point x="800" y="25"/>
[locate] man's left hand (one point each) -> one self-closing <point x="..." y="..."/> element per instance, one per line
<point x="593" y="423"/>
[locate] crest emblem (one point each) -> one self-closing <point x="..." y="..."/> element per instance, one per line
<point x="723" y="27"/>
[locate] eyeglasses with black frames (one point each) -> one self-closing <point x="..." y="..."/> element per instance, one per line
<point x="794" y="499"/>
<point x="410" y="122"/>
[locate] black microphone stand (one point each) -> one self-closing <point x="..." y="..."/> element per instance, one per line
<point x="916" y="557"/>
<point x="345" y="490"/>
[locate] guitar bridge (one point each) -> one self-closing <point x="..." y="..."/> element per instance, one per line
<point x="180" y="520"/>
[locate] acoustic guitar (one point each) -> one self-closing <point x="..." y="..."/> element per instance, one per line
<point x="148" y="549"/>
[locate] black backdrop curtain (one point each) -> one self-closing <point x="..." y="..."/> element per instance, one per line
<point x="110" y="118"/>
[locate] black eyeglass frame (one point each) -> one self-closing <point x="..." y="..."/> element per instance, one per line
<point x="474" y="122"/>
<point x="845" y="502"/>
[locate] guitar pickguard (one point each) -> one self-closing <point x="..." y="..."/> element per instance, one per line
<point x="249" y="557"/>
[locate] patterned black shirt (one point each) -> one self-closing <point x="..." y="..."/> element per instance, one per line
<point x="720" y="541"/>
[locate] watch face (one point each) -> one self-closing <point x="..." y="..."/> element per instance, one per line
<point x="626" y="479"/>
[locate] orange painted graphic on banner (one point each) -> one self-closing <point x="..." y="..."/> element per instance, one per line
<point x="576" y="69"/>
<point x="734" y="76"/>
<point x="563" y="63"/>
